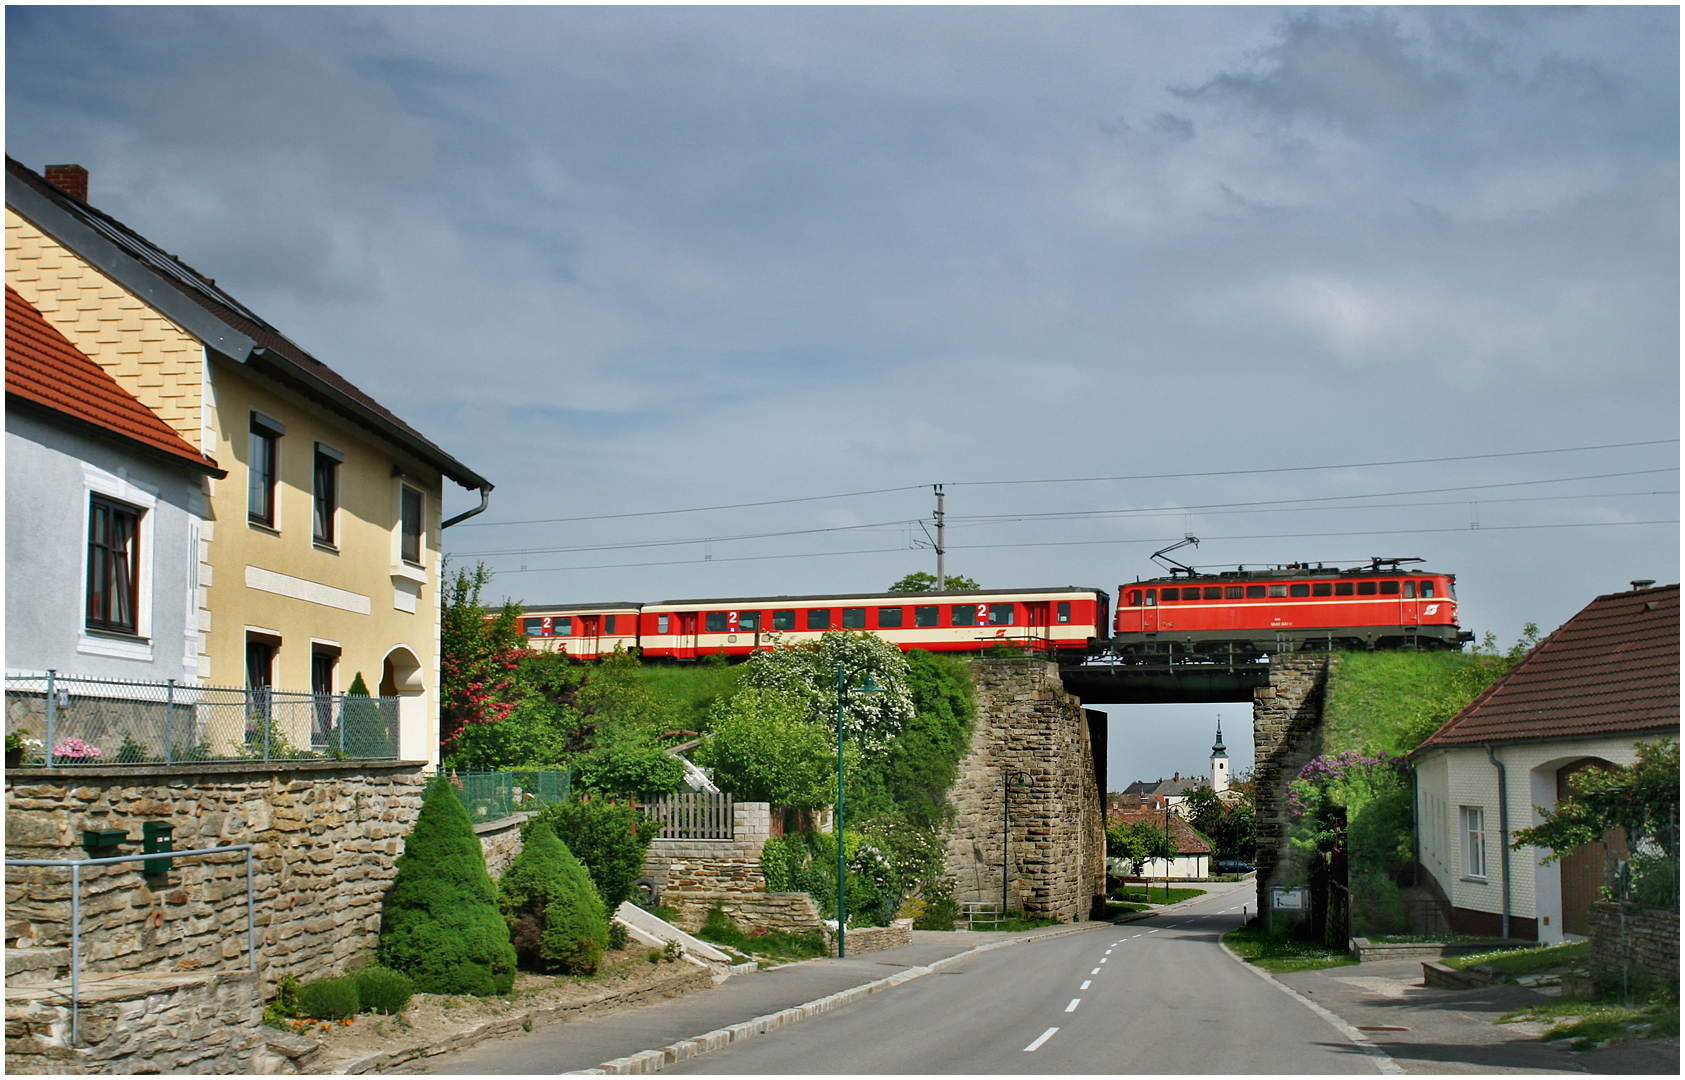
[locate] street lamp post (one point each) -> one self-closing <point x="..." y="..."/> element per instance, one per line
<point x="1008" y="780"/>
<point x="842" y="868"/>
<point x="1170" y="849"/>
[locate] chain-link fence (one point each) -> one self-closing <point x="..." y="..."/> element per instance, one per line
<point x="492" y="795"/>
<point x="66" y="720"/>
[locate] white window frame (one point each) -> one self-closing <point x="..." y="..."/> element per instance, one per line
<point x="402" y="568"/>
<point x="1471" y="823"/>
<point x="144" y="497"/>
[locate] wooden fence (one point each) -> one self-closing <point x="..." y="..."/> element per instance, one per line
<point x="691" y="815"/>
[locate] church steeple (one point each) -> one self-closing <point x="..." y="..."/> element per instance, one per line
<point x="1219" y="760"/>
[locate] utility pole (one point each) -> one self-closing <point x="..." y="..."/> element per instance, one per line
<point x="941" y="544"/>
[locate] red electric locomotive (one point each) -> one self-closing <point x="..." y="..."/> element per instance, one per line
<point x="1289" y="608"/>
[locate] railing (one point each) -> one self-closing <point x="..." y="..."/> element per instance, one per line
<point x="76" y="866"/>
<point x="691" y="815"/>
<point x="69" y="720"/>
<point x="492" y="795"/>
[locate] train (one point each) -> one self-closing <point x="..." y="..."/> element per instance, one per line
<point x="1063" y="622"/>
<point x="1237" y="615"/>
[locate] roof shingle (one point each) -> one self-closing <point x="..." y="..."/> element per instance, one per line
<point x="1613" y="669"/>
<point x="43" y="367"/>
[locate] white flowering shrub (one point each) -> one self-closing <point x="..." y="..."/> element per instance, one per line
<point x="808" y="672"/>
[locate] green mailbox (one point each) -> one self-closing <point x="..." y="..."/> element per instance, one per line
<point x="157" y="836"/>
<point x="102" y="843"/>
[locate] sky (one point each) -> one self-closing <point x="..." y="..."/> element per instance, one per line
<point x="715" y="296"/>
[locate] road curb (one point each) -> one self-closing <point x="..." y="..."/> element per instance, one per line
<point x="1383" y="1060"/>
<point x="649" y="1061"/>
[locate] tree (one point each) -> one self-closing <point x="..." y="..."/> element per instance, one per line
<point x="923" y="760"/>
<point x="920" y="581"/>
<point x="478" y="657"/>
<point x="555" y="917"/>
<point x="765" y="748"/>
<point x="1140" y="842"/>
<point x="441" y="925"/>
<point x="808" y="673"/>
<point x="366" y="732"/>
<point x="609" y="837"/>
<point x="633" y="765"/>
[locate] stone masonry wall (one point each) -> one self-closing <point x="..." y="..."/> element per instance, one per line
<point x="326" y="836"/>
<point x="500" y="842"/>
<point x="682" y="867"/>
<point x="1636" y="939"/>
<point x="1027" y="723"/>
<point x="1286" y="733"/>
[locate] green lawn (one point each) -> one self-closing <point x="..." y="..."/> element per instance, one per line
<point x="1154" y="894"/>
<point x="1281" y="954"/>
<point x="1113" y="907"/>
<point x="1429" y="939"/>
<point x="1523" y="961"/>
<point x="1591" y="1023"/>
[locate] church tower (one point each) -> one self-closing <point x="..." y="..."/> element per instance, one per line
<point x="1219" y="760"/>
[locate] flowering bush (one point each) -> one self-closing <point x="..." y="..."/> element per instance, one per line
<point x="1357" y="805"/>
<point x="75" y="750"/>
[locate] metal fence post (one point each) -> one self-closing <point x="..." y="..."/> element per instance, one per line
<point x="251" y="913"/>
<point x="268" y="720"/>
<point x="169" y="724"/>
<point x="52" y="715"/>
<point x="75" y="952"/>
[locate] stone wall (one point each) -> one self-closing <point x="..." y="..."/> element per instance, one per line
<point x="695" y="875"/>
<point x="500" y="842"/>
<point x="1026" y="723"/>
<point x="326" y="836"/>
<point x="150" y="1023"/>
<point x="1630" y="939"/>
<point x="1286" y="733"/>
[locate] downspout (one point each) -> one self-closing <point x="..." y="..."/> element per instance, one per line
<point x="485" y="498"/>
<point x="1503" y="825"/>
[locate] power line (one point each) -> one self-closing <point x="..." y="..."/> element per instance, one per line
<point x="1071" y="480"/>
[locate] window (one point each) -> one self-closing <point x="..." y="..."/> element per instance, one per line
<point x="1409" y="590"/>
<point x="1064" y="611"/>
<point x="1303" y="589"/>
<point x="1389" y="588"/>
<point x="661" y="624"/>
<point x="326" y="500"/>
<point x="1474" y="841"/>
<point x="1151" y="599"/>
<point x="854" y="618"/>
<point x="1322" y="588"/>
<point x="324" y="659"/>
<point x="1000" y="614"/>
<point x="1213" y="592"/>
<point x="1277" y="590"/>
<point x="1254" y="592"/>
<point x="1427" y="590"/>
<point x="714" y="622"/>
<point x="818" y="618"/>
<point x="1134" y="597"/>
<point x="533" y="627"/>
<point x="608" y="624"/>
<point x="561" y="626"/>
<point x="1366" y="588"/>
<point x="409" y="548"/>
<point x="749" y="621"/>
<point x="784" y="620"/>
<point x="260" y="660"/>
<point x="966" y="614"/>
<point x="262" y="469"/>
<point x="925" y="616"/>
<point x="1234" y="592"/>
<point x="889" y="618"/>
<point x="113" y="565"/>
<point x="1343" y="588"/>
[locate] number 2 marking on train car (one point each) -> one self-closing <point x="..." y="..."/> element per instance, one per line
<point x="731" y="621"/>
<point x="982" y="614"/>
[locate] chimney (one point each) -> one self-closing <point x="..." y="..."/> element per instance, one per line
<point x="1642" y="583"/>
<point x="70" y="179"/>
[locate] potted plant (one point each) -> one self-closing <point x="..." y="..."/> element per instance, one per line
<point x="14" y="749"/>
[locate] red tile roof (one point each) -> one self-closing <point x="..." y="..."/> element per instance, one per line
<point x="43" y="367"/>
<point x="1613" y="669"/>
<point x="1188" y="842"/>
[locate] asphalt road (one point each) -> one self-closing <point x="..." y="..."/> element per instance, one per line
<point x="1154" y="996"/>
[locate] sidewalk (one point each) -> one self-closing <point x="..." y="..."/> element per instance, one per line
<point x="1429" y="1030"/>
<point x="588" y="1043"/>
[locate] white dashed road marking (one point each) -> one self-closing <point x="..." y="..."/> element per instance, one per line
<point x="1096" y="971"/>
<point x="1046" y="1035"/>
<point x="1072" y="1007"/>
<point x="1086" y="983"/>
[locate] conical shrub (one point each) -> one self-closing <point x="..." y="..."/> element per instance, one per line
<point x="556" y="918"/>
<point x="441" y="925"/>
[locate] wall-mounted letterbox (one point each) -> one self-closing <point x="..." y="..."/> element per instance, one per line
<point x="157" y="836"/>
<point x="102" y="843"/>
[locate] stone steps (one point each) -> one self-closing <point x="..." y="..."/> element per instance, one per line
<point x="37" y="967"/>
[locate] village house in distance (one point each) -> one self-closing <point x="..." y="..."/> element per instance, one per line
<point x="315" y="558"/>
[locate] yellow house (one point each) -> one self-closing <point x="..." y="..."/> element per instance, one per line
<point x="319" y="553"/>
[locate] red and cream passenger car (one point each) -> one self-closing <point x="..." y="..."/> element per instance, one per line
<point x="1377" y="606"/>
<point x="1062" y="620"/>
<point x="583" y="631"/>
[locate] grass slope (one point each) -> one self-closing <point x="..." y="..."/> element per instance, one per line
<point x="1388" y="702"/>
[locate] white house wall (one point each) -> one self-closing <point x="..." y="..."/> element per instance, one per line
<point x="48" y="472"/>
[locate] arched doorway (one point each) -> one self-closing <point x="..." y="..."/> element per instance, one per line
<point x="1583" y="871"/>
<point x="400" y="677"/>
